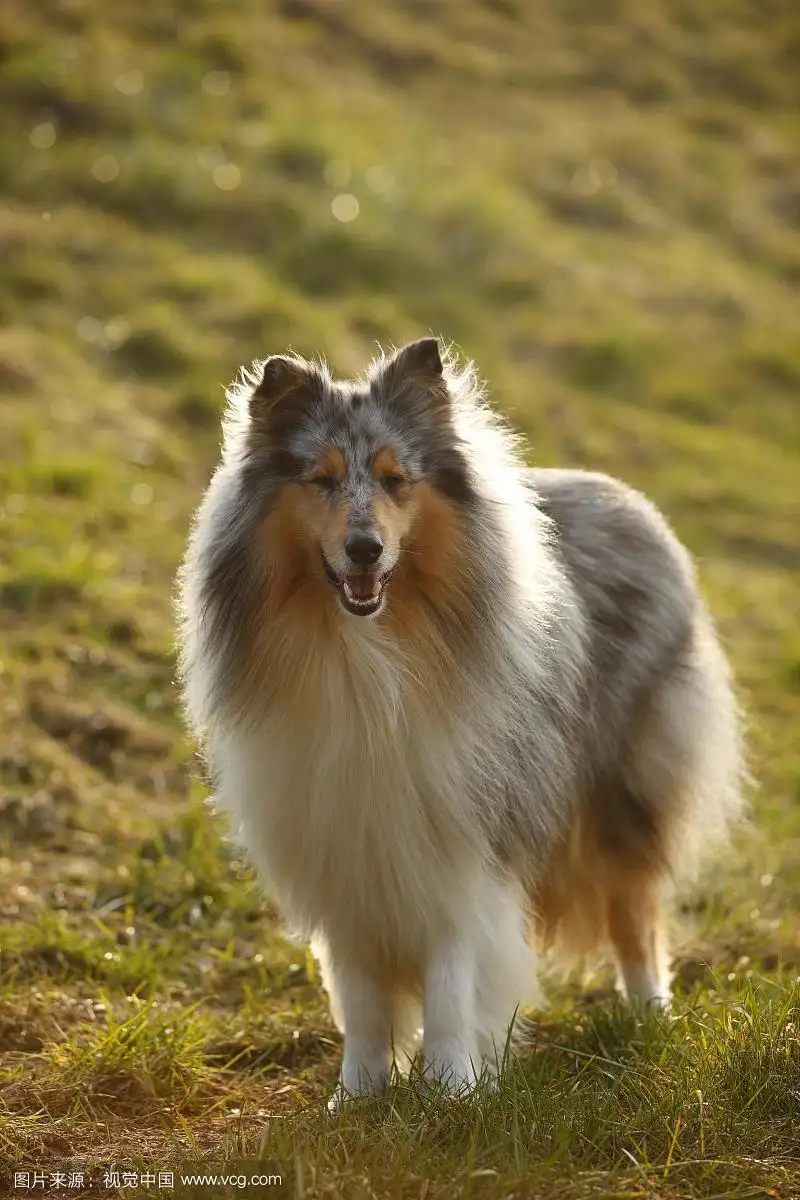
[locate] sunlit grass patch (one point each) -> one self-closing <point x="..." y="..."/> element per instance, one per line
<point x="51" y="948"/>
<point x="704" y="1100"/>
<point x="135" y="1058"/>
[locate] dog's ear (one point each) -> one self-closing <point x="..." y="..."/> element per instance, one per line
<point x="420" y="359"/>
<point x="285" y="381"/>
<point x="413" y="377"/>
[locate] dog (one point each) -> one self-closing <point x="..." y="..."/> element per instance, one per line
<point x="460" y="710"/>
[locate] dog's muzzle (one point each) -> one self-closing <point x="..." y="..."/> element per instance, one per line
<point x="361" y="591"/>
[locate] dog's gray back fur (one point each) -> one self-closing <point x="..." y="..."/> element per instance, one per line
<point x="652" y="661"/>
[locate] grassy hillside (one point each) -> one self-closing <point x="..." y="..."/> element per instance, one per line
<point x="600" y="203"/>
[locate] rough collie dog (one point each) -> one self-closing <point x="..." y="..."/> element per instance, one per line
<point x="457" y="708"/>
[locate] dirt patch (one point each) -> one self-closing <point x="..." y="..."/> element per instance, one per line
<point x="294" y="1051"/>
<point x="110" y="741"/>
<point x="28" y="1025"/>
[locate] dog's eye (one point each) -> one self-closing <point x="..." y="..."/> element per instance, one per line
<point x="392" y="483"/>
<point x="326" y="483"/>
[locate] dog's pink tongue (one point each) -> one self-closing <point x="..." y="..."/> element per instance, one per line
<point x="362" y="586"/>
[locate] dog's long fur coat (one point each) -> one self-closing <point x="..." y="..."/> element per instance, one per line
<point x="513" y="726"/>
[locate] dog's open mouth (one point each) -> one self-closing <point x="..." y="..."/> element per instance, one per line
<point x="360" y="593"/>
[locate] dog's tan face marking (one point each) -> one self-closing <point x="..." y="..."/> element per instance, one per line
<point x="327" y="521"/>
<point x="432" y="538"/>
<point x="289" y="538"/>
<point x="332" y="466"/>
<point x="390" y="475"/>
<point x="385" y="463"/>
<point x="393" y="500"/>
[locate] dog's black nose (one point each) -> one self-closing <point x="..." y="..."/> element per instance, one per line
<point x="363" y="547"/>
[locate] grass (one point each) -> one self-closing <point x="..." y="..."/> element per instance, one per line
<point x="600" y="205"/>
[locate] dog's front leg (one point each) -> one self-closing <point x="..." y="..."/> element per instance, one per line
<point x="450" y="1044"/>
<point x="364" y="1006"/>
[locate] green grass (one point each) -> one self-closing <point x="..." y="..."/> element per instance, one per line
<point x="601" y="205"/>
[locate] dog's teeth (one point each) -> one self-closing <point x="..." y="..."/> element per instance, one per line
<point x="359" y="601"/>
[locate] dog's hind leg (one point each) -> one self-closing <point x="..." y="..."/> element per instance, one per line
<point x="636" y="930"/>
<point x="681" y="790"/>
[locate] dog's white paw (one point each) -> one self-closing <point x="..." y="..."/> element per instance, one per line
<point x="646" y="989"/>
<point x="339" y="1100"/>
<point x="453" y="1077"/>
<point x="351" y="1091"/>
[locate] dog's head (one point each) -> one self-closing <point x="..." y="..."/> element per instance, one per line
<point x="354" y="469"/>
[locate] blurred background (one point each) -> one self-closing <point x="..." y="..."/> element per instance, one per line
<point x="600" y="203"/>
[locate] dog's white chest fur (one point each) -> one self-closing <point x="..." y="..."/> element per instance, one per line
<point x="352" y="800"/>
